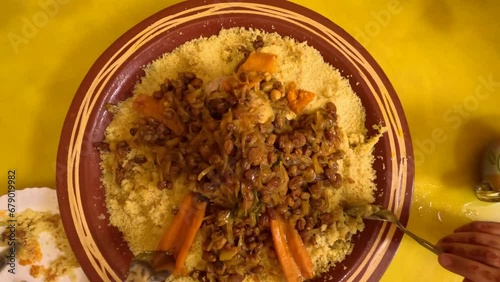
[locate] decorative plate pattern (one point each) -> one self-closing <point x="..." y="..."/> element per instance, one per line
<point x="100" y="248"/>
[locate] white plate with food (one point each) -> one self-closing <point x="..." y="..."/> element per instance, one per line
<point x="33" y="240"/>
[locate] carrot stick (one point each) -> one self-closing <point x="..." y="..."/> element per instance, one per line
<point x="285" y="258"/>
<point x="292" y="254"/>
<point x="170" y="237"/>
<point x="299" y="252"/>
<point x="190" y="234"/>
<point x="179" y="237"/>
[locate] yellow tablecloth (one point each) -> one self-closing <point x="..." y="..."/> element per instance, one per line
<point x="441" y="56"/>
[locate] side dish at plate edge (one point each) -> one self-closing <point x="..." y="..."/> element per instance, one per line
<point x="238" y="154"/>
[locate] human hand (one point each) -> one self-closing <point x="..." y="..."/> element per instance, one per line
<point x="473" y="251"/>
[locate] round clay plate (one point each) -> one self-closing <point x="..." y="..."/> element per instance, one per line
<point x="100" y="248"/>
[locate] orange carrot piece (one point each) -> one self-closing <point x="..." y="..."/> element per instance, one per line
<point x="149" y="107"/>
<point x="179" y="236"/>
<point x="304" y="98"/>
<point x="298" y="99"/>
<point x="285" y="258"/>
<point x="299" y="252"/>
<point x="259" y="62"/>
<point x="170" y="237"/>
<point x="189" y="236"/>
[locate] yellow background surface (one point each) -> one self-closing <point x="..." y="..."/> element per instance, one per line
<point x="442" y="56"/>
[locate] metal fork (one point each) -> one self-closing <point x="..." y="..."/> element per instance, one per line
<point x="387" y="215"/>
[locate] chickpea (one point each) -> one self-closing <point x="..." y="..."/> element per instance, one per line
<point x="275" y="95"/>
